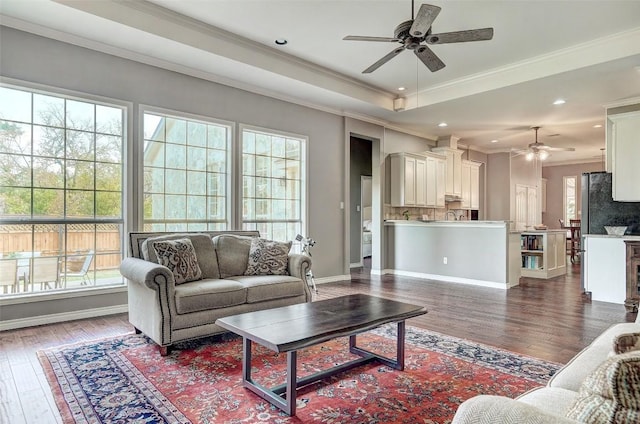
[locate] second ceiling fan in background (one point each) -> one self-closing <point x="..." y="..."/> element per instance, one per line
<point x="416" y="31"/>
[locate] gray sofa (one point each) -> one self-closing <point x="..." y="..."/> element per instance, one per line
<point x="168" y="312"/>
<point x="551" y="404"/>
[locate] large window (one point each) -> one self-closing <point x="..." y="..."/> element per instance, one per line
<point x="273" y="184"/>
<point x="570" y="199"/>
<point x="61" y="179"/>
<point x="186" y="173"/>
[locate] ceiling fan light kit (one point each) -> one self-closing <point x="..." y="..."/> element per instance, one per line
<point x="416" y="31"/>
<point x="539" y="150"/>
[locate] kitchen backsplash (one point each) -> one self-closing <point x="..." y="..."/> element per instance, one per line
<point x="431" y="214"/>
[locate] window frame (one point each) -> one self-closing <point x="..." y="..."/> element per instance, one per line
<point x="304" y="173"/>
<point x="230" y="162"/>
<point x="125" y="197"/>
<point x="565" y="199"/>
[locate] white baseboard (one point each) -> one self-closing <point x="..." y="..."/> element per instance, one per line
<point x="449" y="279"/>
<point x="356" y="265"/>
<point x="333" y="278"/>
<point x="65" y="316"/>
<point x="381" y="271"/>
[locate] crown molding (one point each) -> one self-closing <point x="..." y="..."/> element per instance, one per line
<point x="616" y="46"/>
<point x="156" y="20"/>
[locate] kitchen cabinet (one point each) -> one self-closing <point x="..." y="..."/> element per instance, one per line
<point x="470" y="184"/>
<point x="453" y="177"/>
<point x="543" y="254"/>
<point x="623" y="140"/>
<point x="417" y="180"/>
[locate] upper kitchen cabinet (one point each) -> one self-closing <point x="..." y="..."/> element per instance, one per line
<point x="624" y="132"/>
<point x="417" y="180"/>
<point x="470" y="182"/>
<point x="453" y="178"/>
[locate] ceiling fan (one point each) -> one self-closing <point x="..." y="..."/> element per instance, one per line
<point x="413" y="32"/>
<point x="540" y="150"/>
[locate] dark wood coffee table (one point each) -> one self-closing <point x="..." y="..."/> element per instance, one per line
<point x="291" y="328"/>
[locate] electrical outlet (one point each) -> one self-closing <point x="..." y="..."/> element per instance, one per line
<point x="444" y="260"/>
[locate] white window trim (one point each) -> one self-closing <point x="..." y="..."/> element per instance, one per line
<point x="564" y="197"/>
<point x="304" y="213"/>
<point x="139" y="157"/>
<point x="127" y="175"/>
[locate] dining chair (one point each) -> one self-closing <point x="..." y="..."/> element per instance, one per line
<point x="9" y="275"/>
<point x="574" y="228"/>
<point x="45" y="270"/>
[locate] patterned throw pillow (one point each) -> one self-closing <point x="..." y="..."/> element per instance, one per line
<point x="628" y="342"/>
<point x="180" y="257"/>
<point x="268" y="257"/>
<point x="611" y="394"/>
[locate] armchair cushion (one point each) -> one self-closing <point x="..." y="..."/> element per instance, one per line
<point x="268" y="257"/>
<point x="180" y="257"/>
<point x="233" y="254"/>
<point x="611" y="394"/>
<point x="202" y="243"/>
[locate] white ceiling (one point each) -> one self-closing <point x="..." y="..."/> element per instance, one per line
<point x="586" y="52"/>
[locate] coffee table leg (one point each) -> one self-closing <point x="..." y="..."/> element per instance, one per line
<point x="292" y="357"/>
<point x="397" y="364"/>
<point x="246" y="359"/>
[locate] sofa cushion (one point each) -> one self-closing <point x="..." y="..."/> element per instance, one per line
<point x="180" y="257"/>
<point x="203" y="245"/>
<point x="267" y="287"/>
<point x="209" y="294"/>
<point x="626" y="342"/>
<point x="268" y="257"/>
<point x="611" y="394"/>
<point x="233" y="254"/>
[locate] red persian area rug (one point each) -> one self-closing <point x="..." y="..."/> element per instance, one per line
<point x="124" y="380"/>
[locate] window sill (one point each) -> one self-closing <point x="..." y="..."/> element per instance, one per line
<point x="44" y="297"/>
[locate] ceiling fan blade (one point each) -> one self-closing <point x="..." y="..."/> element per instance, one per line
<point x="423" y="20"/>
<point x="461" y="36"/>
<point x="561" y="149"/>
<point x="366" y="38"/>
<point x="384" y="60"/>
<point x="429" y="58"/>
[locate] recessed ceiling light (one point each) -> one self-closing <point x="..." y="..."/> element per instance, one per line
<point x="597" y="126"/>
<point x="281" y="41"/>
<point x="401" y="88"/>
<point x="494" y="141"/>
<point x="442" y="124"/>
<point x="559" y="102"/>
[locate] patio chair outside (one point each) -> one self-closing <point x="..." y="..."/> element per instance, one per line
<point x="9" y="275"/>
<point x="83" y="272"/>
<point x="45" y="270"/>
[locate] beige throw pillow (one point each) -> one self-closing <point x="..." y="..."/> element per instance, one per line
<point x="180" y="257"/>
<point x="611" y="394"/>
<point x="268" y="257"/>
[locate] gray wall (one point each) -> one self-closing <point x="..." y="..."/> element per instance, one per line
<point x="498" y="188"/>
<point x="554" y="176"/>
<point x="41" y="60"/>
<point x="360" y="164"/>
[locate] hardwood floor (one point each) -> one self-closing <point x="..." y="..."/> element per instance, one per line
<point x="547" y="319"/>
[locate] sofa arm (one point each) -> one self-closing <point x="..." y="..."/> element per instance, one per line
<point x="498" y="409"/>
<point x="144" y="272"/>
<point x="299" y="265"/>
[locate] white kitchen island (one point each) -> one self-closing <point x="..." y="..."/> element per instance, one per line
<point x="605" y="267"/>
<point x="484" y="253"/>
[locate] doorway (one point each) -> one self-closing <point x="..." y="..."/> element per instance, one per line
<point x="361" y="193"/>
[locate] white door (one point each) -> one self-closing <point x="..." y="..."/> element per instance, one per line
<point x="532" y="207"/>
<point x="520" y="212"/>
